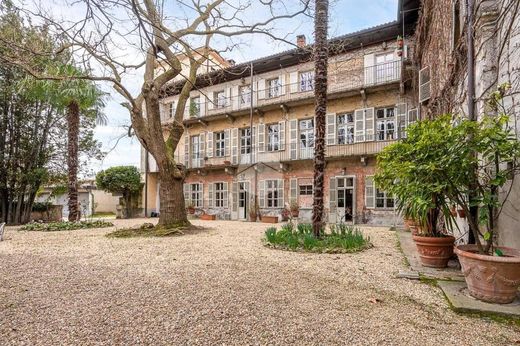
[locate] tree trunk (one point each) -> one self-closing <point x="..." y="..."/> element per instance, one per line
<point x="171" y="196"/>
<point x="320" y="93"/>
<point x="72" y="159"/>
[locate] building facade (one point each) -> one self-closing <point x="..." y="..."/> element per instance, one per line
<point x="249" y="137"/>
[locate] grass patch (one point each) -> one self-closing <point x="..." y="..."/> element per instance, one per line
<point x="340" y="238"/>
<point x="150" y="230"/>
<point x="65" y="225"/>
<point x="103" y="214"/>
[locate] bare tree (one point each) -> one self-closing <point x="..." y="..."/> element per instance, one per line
<point x="321" y="53"/>
<point x="96" y="39"/>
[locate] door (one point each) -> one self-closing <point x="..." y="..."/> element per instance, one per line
<point x="245" y="146"/>
<point x="306" y="138"/>
<point x="243" y="188"/>
<point x="345" y="199"/>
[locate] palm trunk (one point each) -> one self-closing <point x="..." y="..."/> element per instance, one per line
<point x="320" y="93"/>
<point x="72" y="159"/>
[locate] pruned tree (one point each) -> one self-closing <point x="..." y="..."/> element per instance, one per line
<point x="153" y="37"/>
<point x="124" y="180"/>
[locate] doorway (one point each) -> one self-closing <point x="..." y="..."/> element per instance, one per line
<point x="345" y="199"/>
<point x="243" y="192"/>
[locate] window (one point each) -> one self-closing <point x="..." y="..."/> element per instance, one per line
<point x="386" y="67"/>
<point x="219" y="99"/>
<point x="245" y="94"/>
<point x="195" y="107"/>
<point x="272" y="193"/>
<point x="305" y="190"/>
<point x="196" y="195"/>
<point x="274" y="87"/>
<point x="307" y="133"/>
<point x="345" y="128"/>
<point x="195" y="147"/>
<point x="220" y="144"/>
<point x="219" y="195"/>
<point x="245" y="141"/>
<point x="273" y="137"/>
<point x="171" y="109"/>
<point x="307" y="81"/>
<point x="383" y="200"/>
<point x="385" y="124"/>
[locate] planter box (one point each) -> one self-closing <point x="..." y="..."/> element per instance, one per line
<point x="208" y="217"/>
<point x="53" y="213"/>
<point x="269" y="219"/>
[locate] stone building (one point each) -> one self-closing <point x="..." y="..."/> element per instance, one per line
<point x="251" y="139"/>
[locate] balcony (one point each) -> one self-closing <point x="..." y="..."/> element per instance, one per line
<point x="340" y="81"/>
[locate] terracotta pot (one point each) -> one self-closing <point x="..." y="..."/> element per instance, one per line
<point x="252" y="217"/>
<point x="269" y="219"/>
<point x="461" y="213"/>
<point x="434" y="252"/>
<point x="295" y="213"/>
<point x="208" y="217"/>
<point x="491" y="279"/>
<point x="191" y="210"/>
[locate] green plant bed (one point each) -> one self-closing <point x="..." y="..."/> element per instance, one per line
<point x="340" y="238"/>
<point x="65" y="225"/>
<point x="150" y="230"/>
<point x="103" y="214"/>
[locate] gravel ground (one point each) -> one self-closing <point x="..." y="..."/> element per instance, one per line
<point x="219" y="286"/>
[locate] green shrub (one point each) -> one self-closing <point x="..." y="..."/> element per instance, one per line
<point x="340" y="238"/>
<point x="65" y="225"/>
<point x="41" y="206"/>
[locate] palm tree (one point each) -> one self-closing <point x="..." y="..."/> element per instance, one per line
<point x="320" y="93"/>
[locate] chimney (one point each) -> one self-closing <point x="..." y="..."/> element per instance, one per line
<point x="300" y="41"/>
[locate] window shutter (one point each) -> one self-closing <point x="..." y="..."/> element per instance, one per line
<point x="400" y="120"/>
<point x="186" y="190"/>
<point x="293" y="77"/>
<point x="261" y="89"/>
<point x="282" y="84"/>
<point x="293" y="138"/>
<point x="225" y="193"/>
<point x="369" y="192"/>
<point x="261" y="138"/>
<point x="235" y="102"/>
<point x="187" y="160"/>
<point x="227" y="92"/>
<point x="331" y="129"/>
<point x="202" y="154"/>
<point x="211" y="195"/>
<point x="359" y="125"/>
<point x="280" y="189"/>
<point x="281" y="125"/>
<point x="226" y="143"/>
<point x="424" y="84"/>
<point x="234" y="194"/>
<point x="261" y="193"/>
<point x="209" y="149"/>
<point x="254" y="148"/>
<point x="369" y="124"/>
<point x="234" y="146"/>
<point x="370" y="69"/>
<point x="293" y="193"/>
<point x="332" y="200"/>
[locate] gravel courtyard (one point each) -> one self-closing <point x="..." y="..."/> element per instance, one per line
<point x="218" y="286"/>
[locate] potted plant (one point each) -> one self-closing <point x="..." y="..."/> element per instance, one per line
<point x="294" y="208"/>
<point x="400" y="41"/>
<point x="285" y="214"/>
<point x="191" y="208"/>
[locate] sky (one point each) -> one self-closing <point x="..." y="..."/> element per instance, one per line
<point x="345" y="16"/>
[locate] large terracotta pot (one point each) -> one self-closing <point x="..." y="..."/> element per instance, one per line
<point x="434" y="252"/>
<point x="491" y="279"/>
<point x="295" y="213"/>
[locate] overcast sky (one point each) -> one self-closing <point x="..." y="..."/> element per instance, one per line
<point x="346" y="16"/>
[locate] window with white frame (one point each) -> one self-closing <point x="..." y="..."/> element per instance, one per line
<point x="220" y="144"/>
<point x="273" y="87"/>
<point x="273" y="137"/>
<point x="376" y="198"/>
<point x="245" y="94"/>
<point x="195" y="106"/>
<point x="385" y="123"/>
<point x="219" y="99"/>
<point x="196" y="195"/>
<point x="384" y="200"/>
<point x="245" y="141"/>
<point x="272" y="190"/>
<point x="171" y="109"/>
<point x="386" y="67"/>
<point x="195" y="147"/>
<point x="306" y="133"/>
<point x="345" y="128"/>
<point x="305" y="190"/>
<point x="307" y="81"/>
<point x="219" y="195"/>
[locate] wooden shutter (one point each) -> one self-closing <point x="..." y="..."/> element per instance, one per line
<point x="413" y="116"/>
<point x="202" y="154"/>
<point x="282" y="84"/>
<point x="225" y="195"/>
<point x="293" y="77"/>
<point x="254" y="148"/>
<point x="234" y="194"/>
<point x="209" y="149"/>
<point x="359" y="125"/>
<point x="281" y="126"/>
<point x="187" y="150"/>
<point x="235" y="97"/>
<point x="369" y="124"/>
<point x="227" y="92"/>
<point x="370" y="69"/>
<point x="332" y="200"/>
<point x="261" y="138"/>
<point x="331" y="129"/>
<point x="369" y="192"/>
<point x="280" y="188"/>
<point x="293" y="139"/>
<point x="400" y="120"/>
<point x="261" y="193"/>
<point x="211" y="190"/>
<point x="186" y="190"/>
<point x="261" y="89"/>
<point x="234" y="146"/>
<point x="424" y="84"/>
<point x="293" y="190"/>
<point x="226" y="143"/>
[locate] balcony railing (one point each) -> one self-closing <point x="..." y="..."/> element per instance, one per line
<point x="339" y="81"/>
<point x="283" y="155"/>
